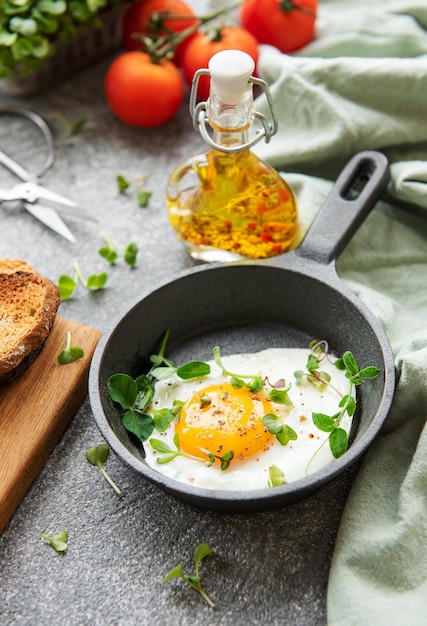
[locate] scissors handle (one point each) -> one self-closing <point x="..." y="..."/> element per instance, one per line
<point x="47" y="134"/>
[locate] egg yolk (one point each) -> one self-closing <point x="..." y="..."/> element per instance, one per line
<point x="220" y="418"/>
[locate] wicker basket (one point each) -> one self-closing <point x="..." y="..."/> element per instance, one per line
<point x="90" y="44"/>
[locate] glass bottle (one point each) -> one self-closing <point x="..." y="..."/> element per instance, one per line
<point x="227" y="204"/>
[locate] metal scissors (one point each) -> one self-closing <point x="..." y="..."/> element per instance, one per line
<point x="37" y="199"/>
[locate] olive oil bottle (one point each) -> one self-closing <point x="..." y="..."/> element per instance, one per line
<point x="227" y="204"/>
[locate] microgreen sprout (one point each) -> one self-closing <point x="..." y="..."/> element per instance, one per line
<point x="237" y="381"/>
<point x="110" y="251"/>
<point x="168" y="454"/>
<point x="163" y="368"/>
<point x="275" y="476"/>
<point x="276" y="426"/>
<point x="338" y="439"/>
<point x="70" y="353"/>
<point x="74" y="127"/>
<point x="68" y="284"/>
<point x="278" y="392"/>
<point x="200" y="552"/>
<point x="58" y="542"/>
<point x="143" y="195"/>
<point x="135" y="395"/>
<point x="97" y="456"/>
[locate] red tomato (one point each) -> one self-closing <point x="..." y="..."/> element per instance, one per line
<point x="201" y="48"/>
<point x="143" y="93"/>
<point x="137" y="18"/>
<point x="286" y="24"/>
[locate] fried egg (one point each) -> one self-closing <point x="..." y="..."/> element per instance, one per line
<point x="216" y="419"/>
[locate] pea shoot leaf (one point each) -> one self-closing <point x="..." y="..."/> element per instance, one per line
<point x="97" y="456"/>
<point x="338" y="442"/>
<point x="123" y="389"/>
<point x="96" y="281"/>
<point x="201" y="551"/>
<point x="66" y="286"/>
<point x="140" y="424"/>
<point x="275" y="476"/>
<point x="323" y="422"/>
<point x="193" y="369"/>
<point x="58" y="542"/>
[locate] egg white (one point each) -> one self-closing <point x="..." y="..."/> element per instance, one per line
<point x="309" y="453"/>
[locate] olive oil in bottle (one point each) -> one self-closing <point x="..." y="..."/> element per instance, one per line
<point x="226" y="203"/>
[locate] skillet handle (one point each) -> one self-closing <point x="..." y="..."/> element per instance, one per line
<point x="354" y="194"/>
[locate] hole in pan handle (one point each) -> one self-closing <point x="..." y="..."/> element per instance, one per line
<point x="356" y="191"/>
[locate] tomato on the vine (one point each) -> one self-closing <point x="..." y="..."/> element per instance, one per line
<point x="143" y="93"/>
<point x="138" y="16"/>
<point x="286" y="24"/>
<point x="204" y="45"/>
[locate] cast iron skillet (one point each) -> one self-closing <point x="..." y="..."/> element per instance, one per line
<point x="247" y="306"/>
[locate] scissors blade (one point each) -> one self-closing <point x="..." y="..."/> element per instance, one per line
<point x="34" y="193"/>
<point x="50" y="218"/>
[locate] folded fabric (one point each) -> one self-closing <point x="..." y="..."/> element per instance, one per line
<point x="362" y="84"/>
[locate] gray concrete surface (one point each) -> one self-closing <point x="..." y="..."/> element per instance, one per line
<point x="269" y="568"/>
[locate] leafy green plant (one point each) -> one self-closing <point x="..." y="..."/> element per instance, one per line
<point x="338" y="440"/>
<point x="143" y="195"/>
<point x="135" y="395"/>
<point x="97" y="456"/>
<point x="58" y="542"/>
<point x="169" y="454"/>
<point x="275" y="476"/>
<point x="110" y="251"/>
<point x="70" y="353"/>
<point x="30" y="29"/>
<point x="67" y="284"/>
<point x="200" y="552"/>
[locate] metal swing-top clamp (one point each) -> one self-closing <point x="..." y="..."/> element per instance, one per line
<point x="199" y="111"/>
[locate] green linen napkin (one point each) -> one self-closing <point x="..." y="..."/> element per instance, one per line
<point x="363" y="85"/>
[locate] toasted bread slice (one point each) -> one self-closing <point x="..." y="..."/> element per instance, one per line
<point x="28" y="307"/>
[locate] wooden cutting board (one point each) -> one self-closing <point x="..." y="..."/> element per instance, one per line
<point x="36" y="408"/>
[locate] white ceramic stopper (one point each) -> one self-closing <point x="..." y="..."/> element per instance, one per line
<point x="230" y="71"/>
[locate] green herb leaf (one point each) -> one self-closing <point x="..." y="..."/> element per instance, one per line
<point x="280" y="396"/>
<point x="131" y="252"/>
<point x="141" y="425"/>
<point x="237" y="383"/>
<point x="256" y="384"/>
<point x="70" y="353"/>
<point x="163" y="373"/>
<point x="369" y="372"/>
<point x="160" y="446"/>
<point x="277" y="427"/>
<point x="108" y="254"/>
<point x="193" y="369"/>
<point x="123" y="389"/>
<point x="144" y="197"/>
<point x="95" y="282"/>
<point x="122" y="183"/>
<point x="338" y="442"/>
<point x="97" y="456"/>
<point x="162" y="419"/>
<point x="299" y="375"/>
<point x="200" y="552"/>
<point x="323" y="422"/>
<point x="174" y="573"/>
<point x="272" y="422"/>
<point x="275" y="476"/>
<point x="226" y="459"/>
<point x="66" y="286"/>
<point x="58" y="542"/>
